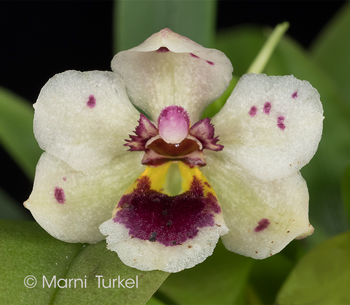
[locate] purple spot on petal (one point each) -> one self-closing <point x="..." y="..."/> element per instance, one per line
<point x="91" y="102"/>
<point x="163" y="50"/>
<point x="59" y="195"/>
<point x="253" y="111"/>
<point x="280" y="122"/>
<point x="295" y="94"/>
<point x="262" y="225"/>
<point x="193" y="55"/>
<point x="267" y="107"/>
<point x="169" y="220"/>
<point x="210" y="62"/>
<point x="64" y="178"/>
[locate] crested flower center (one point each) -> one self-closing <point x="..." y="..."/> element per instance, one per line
<point x="174" y="139"/>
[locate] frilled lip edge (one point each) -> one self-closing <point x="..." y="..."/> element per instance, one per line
<point x="190" y="150"/>
<point x="152" y="230"/>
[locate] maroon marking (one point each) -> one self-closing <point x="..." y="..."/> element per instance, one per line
<point x="144" y="131"/>
<point x="280" y="122"/>
<point x="210" y="62"/>
<point x="170" y="220"/>
<point x="163" y="50"/>
<point x="295" y="94"/>
<point x="59" y="195"/>
<point x="207" y="184"/>
<point x="64" y="178"/>
<point x="153" y="158"/>
<point x="253" y="111"/>
<point x="91" y="103"/>
<point x="194" y="55"/>
<point x="262" y="225"/>
<point x="267" y="107"/>
<point x="204" y="131"/>
<point x="174" y="150"/>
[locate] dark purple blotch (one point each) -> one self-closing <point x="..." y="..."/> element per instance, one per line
<point x="163" y="50"/>
<point x="280" y="122"/>
<point x="169" y="220"/>
<point x="91" y="103"/>
<point x="253" y="110"/>
<point x="153" y="236"/>
<point x="194" y="55"/>
<point x="59" y="195"/>
<point x="210" y="62"/>
<point x="262" y="225"/>
<point x="267" y="107"/>
<point x="295" y="94"/>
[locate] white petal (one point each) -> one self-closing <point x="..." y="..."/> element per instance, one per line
<point x="186" y="75"/>
<point x="270" y="125"/>
<point x="84" y="117"/>
<point x="262" y="217"/>
<point x="70" y="205"/>
<point x="146" y="255"/>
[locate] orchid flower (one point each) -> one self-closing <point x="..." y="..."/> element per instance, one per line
<point x="164" y="186"/>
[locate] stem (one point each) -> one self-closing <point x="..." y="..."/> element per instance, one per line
<point x="265" y="53"/>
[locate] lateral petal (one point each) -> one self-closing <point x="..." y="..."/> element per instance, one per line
<point x="84" y="117"/>
<point x="70" y="205"/>
<point x="270" y="125"/>
<point x="262" y="217"/>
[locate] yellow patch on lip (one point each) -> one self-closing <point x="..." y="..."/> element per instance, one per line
<point x="172" y="179"/>
<point x="163" y="180"/>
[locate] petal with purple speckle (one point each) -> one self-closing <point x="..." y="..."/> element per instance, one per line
<point x="276" y="145"/>
<point x="189" y="75"/>
<point x="72" y="209"/>
<point x="262" y="217"/>
<point x="84" y="117"/>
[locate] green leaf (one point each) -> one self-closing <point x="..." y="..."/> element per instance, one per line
<point x="154" y="301"/>
<point x="346" y="190"/>
<point x="16" y="131"/>
<point x="137" y="20"/>
<point x="268" y="275"/>
<point x="9" y="209"/>
<point x="220" y="279"/>
<point x="332" y="48"/>
<point x="322" y="276"/>
<point x="27" y="250"/>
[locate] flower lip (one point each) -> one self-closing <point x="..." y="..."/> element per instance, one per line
<point x="174" y="219"/>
